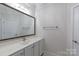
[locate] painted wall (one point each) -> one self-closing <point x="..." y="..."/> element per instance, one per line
<point x="57" y="41"/>
<point x="28" y="8"/>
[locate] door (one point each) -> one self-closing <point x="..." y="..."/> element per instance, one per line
<point x="76" y="31"/>
<point x="0" y="27"/>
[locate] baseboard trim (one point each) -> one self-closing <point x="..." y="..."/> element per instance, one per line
<point x="68" y="52"/>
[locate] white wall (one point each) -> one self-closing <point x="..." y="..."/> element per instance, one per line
<point x="28" y="8"/>
<point x="57" y="41"/>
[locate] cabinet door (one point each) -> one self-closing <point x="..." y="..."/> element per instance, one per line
<point x="42" y="46"/>
<point x="29" y="51"/>
<point x="19" y="53"/>
<point x="36" y="49"/>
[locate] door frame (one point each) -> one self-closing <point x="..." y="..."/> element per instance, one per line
<point x="72" y="28"/>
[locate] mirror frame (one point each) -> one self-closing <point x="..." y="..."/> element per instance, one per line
<point x="24" y="14"/>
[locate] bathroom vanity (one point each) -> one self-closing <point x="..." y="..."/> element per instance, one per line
<point x="19" y="29"/>
<point x="31" y="46"/>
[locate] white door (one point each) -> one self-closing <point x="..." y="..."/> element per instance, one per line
<point x="76" y="30"/>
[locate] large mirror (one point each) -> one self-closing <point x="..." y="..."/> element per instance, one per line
<point x="15" y="23"/>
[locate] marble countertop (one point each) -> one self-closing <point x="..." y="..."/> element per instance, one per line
<point x="8" y="47"/>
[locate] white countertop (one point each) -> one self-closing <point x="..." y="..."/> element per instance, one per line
<point x="8" y="47"/>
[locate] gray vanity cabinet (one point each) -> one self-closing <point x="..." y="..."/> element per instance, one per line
<point x="32" y="50"/>
<point x="35" y="49"/>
